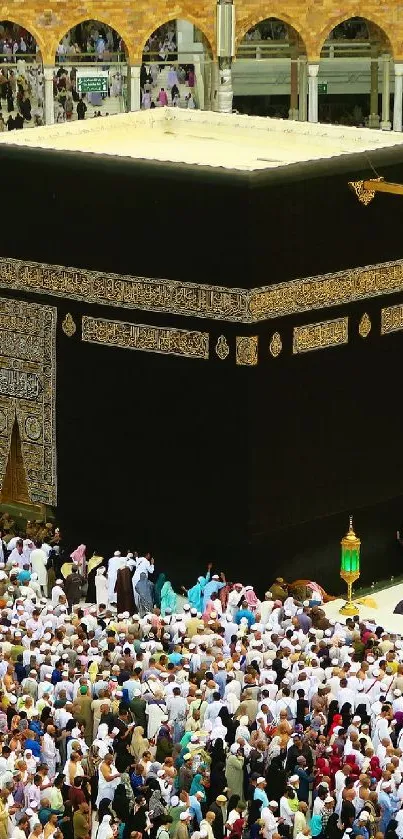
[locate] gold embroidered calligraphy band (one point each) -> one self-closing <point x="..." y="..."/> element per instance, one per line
<point x="139" y="336"/>
<point x="27" y="393"/>
<point x="200" y="300"/>
<point x="391" y="319"/>
<point x="319" y="336"/>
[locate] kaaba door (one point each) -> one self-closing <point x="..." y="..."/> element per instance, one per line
<point x="15" y="487"/>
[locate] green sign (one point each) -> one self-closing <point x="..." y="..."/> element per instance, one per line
<point x="322" y="87"/>
<point x="92" y="84"/>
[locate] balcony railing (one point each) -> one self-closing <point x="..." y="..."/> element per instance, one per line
<point x="282" y="49"/>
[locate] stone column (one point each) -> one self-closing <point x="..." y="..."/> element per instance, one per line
<point x="397" y="101"/>
<point x="133" y="87"/>
<point x="313" y="70"/>
<point x="303" y="88"/>
<point x="225" y="92"/>
<point x="373" y="121"/>
<point x="48" y="104"/>
<point x="385" y="124"/>
<point x="225" y="54"/>
<point x="293" y="113"/>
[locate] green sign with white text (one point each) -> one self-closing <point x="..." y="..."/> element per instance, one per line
<point x="92" y="84"/>
<point x="322" y="87"/>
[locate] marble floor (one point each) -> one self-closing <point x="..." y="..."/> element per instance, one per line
<point x="385" y="600"/>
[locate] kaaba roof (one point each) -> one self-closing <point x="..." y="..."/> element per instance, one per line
<point x="204" y="138"/>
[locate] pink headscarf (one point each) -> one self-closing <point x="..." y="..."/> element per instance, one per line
<point x="78" y="555"/>
<point x="251" y="598"/>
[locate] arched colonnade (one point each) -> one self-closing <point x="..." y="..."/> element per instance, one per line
<point x="309" y="31"/>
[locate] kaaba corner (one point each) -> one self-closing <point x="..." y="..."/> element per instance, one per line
<point x="201" y="333"/>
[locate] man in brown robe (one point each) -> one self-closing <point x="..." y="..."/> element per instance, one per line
<point x="72" y="587"/>
<point x="124" y="590"/>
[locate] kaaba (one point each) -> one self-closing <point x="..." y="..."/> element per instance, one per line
<point x="201" y="338"/>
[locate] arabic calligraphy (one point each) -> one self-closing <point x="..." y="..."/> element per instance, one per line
<point x="137" y="336"/>
<point x="319" y="336"/>
<point x="19" y="384"/>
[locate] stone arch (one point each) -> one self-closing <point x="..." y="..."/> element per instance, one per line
<point x="32" y="29"/>
<point x="205" y="25"/>
<point x="253" y="19"/>
<point x="65" y="27"/>
<point x="372" y="20"/>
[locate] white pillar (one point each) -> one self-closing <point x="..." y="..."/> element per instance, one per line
<point x="48" y="104"/>
<point x="184" y="33"/>
<point x="225" y="92"/>
<point x="397" y="102"/>
<point x="313" y="70"/>
<point x="133" y="85"/>
<point x="385" y="124"/>
<point x="303" y="89"/>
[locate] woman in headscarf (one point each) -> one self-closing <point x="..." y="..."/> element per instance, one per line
<point x="337" y="721"/>
<point x="105" y="830"/>
<point x="332" y="829"/>
<point x="161" y="579"/>
<point x="120" y="804"/>
<point x="234" y="771"/>
<point x="144" y="590"/>
<point x="164" y="743"/>
<point x="391" y="830"/>
<point x="276" y="778"/>
<point x="168" y="598"/>
<point x="218" y="781"/>
<point x="139" y="744"/>
<point x="230" y="724"/>
<point x="156" y="805"/>
<point x="93" y="567"/>
<point x="195" y="594"/>
<point x="375" y="768"/>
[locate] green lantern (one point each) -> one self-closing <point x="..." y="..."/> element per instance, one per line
<point x="350" y="566"/>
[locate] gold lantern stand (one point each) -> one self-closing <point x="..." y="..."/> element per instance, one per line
<point x="350" y="567"/>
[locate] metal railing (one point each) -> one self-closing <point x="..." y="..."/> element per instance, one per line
<point x="29" y="57"/>
<point x="107" y="57"/>
<point x="282" y="49"/>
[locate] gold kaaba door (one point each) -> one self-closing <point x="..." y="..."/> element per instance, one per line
<point x="15" y="487"/>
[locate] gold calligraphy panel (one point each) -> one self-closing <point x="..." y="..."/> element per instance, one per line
<point x="201" y="300"/>
<point x="391" y="319"/>
<point x="139" y="336"/>
<point x="319" y="336"/>
<point x="150" y="295"/>
<point x="329" y="290"/>
<point x="27" y="392"/>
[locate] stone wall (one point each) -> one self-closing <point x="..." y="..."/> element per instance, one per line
<point x="135" y="21"/>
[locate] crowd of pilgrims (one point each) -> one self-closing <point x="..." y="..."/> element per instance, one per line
<point x="127" y="710"/>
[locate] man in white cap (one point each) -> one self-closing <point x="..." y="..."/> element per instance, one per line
<point x="39" y="562"/>
<point x="116" y="561"/>
<point x="270" y="819"/>
<point x="260" y="792"/>
<point x="57" y="590"/>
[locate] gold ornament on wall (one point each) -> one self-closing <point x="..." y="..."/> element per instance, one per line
<point x="391" y="319"/>
<point x="222" y="348"/>
<point x="68" y="325"/>
<point x="276" y="344"/>
<point x="365" y="326"/>
<point x="246" y="350"/>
